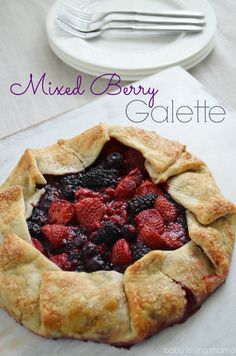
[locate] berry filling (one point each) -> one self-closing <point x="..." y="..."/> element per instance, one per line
<point x="107" y="216"/>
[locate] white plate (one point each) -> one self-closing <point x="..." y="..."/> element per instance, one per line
<point x="130" y="56"/>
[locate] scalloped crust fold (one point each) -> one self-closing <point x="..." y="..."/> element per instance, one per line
<point x="160" y="289"/>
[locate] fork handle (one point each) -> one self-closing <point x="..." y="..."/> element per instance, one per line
<point x="161" y="28"/>
<point x="173" y="13"/>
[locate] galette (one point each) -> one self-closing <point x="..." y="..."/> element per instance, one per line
<point x="111" y="236"/>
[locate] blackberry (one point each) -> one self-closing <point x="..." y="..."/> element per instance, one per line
<point x="74" y="255"/>
<point x="39" y="217"/>
<point x="69" y="185"/>
<point x="129" y="232"/>
<point x="89" y="250"/>
<point x="108" y="233"/>
<point x="138" y="250"/>
<point x="141" y="202"/>
<point x="98" y="177"/>
<point x="77" y="242"/>
<point x="95" y="263"/>
<point x="115" y="160"/>
<point x="51" y="194"/>
<point x="34" y="229"/>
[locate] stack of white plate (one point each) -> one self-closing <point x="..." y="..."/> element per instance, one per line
<point x="134" y="55"/>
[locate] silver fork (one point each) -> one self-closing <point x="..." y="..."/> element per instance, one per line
<point x="160" y="28"/>
<point x="84" y="21"/>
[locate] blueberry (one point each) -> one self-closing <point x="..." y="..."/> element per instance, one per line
<point x="115" y="160"/>
<point x="34" y="229"/>
<point x="69" y="192"/>
<point x="95" y="263"/>
<point x="88" y="251"/>
<point x="129" y="232"/>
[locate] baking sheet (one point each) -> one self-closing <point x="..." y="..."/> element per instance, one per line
<point x="211" y="330"/>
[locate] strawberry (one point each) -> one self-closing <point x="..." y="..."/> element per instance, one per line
<point x="127" y="186"/>
<point x="170" y="240"/>
<point x="150" y="237"/>
<point x="62" y="262"/>
<point x="57" y="233"/>
<point x="148" y="187"/>
<point x="61" y="212"/>
<point x="150" y="218"/>
<point x="82" y="193"/>
<point x="167" y="210"/>
<point x="134" y="159"/>
<point x="89" y="213"/>
<point x="121" y="253"/>
<point x="37" y="244"/>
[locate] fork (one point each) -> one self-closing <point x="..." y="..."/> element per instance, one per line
<point x="88" y="35"/>
<point x="72" y="18"/>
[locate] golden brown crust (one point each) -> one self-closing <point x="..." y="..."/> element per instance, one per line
<point x="185" y="162"/>
<point x="155" y="300"/>
<point x="108" y="306"/>
<point x="89" y="306"/>
<point x="216" y="240"/>
<point x="198" y="192"/>
<point x="21" y="268"/>
<point x="12" y="213"/>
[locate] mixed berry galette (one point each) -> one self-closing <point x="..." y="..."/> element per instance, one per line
<point x="111" y="236"/>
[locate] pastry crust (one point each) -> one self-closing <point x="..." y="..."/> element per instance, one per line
<point x="158" y="290"/>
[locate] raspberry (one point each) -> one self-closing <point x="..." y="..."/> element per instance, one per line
<point x="62" y="262"/>
<point x="82" y="193"/>
<point x="102" y="248"/>
<point x="37" y="244"/>
<point x="121" y="253"/>
<point x="134" y="159"/>
<point x="140" y="203"/>
<point x="150" y="237"/>
<point x="108" y="233"/>
<point x="107" y="195"/>
<point x="127" y="186"/>
<point x="150" y="218"/>
<point x="138" y="250"/>
<point x="98" y="177"/>
<point x="148" y="187"/>
<point x="89" y="213"/>
<point x="167" y="210"/>
<point x="61" y="212"/>
<point x="57" y="233"/>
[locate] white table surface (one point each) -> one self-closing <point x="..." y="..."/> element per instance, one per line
<point x="24" y="49"/>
